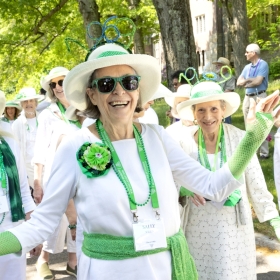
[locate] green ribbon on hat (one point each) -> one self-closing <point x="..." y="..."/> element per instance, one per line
<point x="206" y="93"/>
<point x="110" y="53"/>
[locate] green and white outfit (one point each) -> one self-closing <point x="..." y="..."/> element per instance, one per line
<point x="221" y="238"/>
<point x="12" y="266"/>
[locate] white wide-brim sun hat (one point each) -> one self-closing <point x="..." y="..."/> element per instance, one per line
<point x="54" y="73"/>
<point x="182" y="91"/>
<point x="205" y="92"/>
<point x="13" y="104"/>
<point x="2" y="102"/>
<point x="27" y="93"/>
<point x="146" y="66"/>
<point x="161" y="92"/>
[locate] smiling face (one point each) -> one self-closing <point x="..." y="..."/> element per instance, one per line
<point x="118" y="105"/>
<point x="11" y="113"/>
<point x="29" y="106"/>
<point x="58" y="90"/>
<point x="209" y="115"/>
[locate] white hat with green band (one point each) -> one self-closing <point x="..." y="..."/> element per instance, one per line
<point x="205" y="92"/>
<point x="146" y="66"/>
<point x="27" y="93"/>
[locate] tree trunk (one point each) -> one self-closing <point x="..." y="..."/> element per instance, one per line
<point x="238" y="27"/>
<point x="139" y="46"/>
<point x="89" y="12"/>
<point x="177" y="35"/>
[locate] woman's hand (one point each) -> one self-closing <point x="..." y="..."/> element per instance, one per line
<point x="38" y="192"/>
<point x="264" y="105"/>
<point x="198" y="200"/>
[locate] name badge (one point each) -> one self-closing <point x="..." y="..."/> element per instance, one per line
<point x="149" y="235"/>
<point x="3" y="204"/>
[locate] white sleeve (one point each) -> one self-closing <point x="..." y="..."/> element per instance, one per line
<point x="42" y="138"/>
<point x="60" y="189"/>
<point x="258" y="194"/>
<point x="192" y="175"/>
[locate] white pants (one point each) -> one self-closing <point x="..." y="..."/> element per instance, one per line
<point x="276" y="162"/>
<point x="56" y="241"/>
<point x="264" y="148"/>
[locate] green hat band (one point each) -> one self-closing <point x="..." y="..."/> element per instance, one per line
<point x="206" y="93"/>
<point x="110" y="53"/>
<point x="11" y="104"/>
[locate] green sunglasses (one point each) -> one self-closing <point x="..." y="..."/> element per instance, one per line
<point x="108" y="84"/>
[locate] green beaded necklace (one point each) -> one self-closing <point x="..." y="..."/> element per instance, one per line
<point x="120" y="172"/>
<point x="4" y="180"/>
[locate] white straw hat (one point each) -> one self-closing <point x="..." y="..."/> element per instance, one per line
<point x="27" y="93"/>
<point x="2" y="102"/>
<point x="208" y="91"/>
<point x="13" y="104"/>
<point x="222" y="60"/>
<point x="110" y="54"/>
<point x="182" y="91"/>
<point x="70" y="113"/>
<point x="54" y="73"/>
<point x="161" y="92"/>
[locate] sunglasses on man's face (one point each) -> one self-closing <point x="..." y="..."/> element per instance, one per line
<point x="53" y="84"/>
<point x="108" y="84"/>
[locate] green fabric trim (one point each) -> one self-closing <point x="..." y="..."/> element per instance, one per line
<point x="108" y="247"/>
<point x="9" y="243"/>
<point x="13" y="181"/>
<point x="233" y="199"/>
<point x="256" y="133"/>
<point x="111" y="53"/>
<point x="206" y="93"/>
<point x="185" y="192"/>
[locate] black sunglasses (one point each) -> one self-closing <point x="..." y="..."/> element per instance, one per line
<point x="108" y="84"/>
<point x="53" y="84"/>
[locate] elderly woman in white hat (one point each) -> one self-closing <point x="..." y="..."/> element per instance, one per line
<point x="221" y="234"/>
<point x="25" y="127"/>
<point x="51" y="122"/>
<point x="11" y="112"/>
<point x="120" y="175"/>
<point x="16" y="203"/>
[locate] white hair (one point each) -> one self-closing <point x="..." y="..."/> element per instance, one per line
<point x="254" y="48"/>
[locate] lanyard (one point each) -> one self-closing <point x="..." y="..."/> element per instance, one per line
<point x="3" y="176"/>
<point x="120" y="172"/>
<point x="28" y="128"/>
<point x="202" y="154"/>
<point x="256" y="67"/>
<point x="62" y="110"/>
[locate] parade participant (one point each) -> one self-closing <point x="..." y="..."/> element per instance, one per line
<point x="16" y="203"/>
<point x="11" y="112"/>
<point x="111" y="170"/>
<point x="221" y="234"/>
<point x="25" y="128"/>
<point x="51" y="123"/>
<point x="276" y="159"/>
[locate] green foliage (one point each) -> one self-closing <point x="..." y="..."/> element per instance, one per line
<point x="33" y="33"/>
<point x="274" y="68"/>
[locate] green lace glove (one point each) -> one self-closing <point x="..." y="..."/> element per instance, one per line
<point x="8" y="243"/>
<point x="275" y="223"/>
<point x="185" y="192"/>
<point x="256" y="133"/>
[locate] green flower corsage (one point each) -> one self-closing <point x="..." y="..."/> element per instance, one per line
<point x="94" y="159"/>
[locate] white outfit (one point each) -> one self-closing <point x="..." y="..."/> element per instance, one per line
<point x="11" y="266"/>
<point x="150" y="116"/>
<point x="50" y="127"/>
<point x="102" y="203"/>
<point x="175" y="130"/>
<point x="25" y="131"/>
<point x="223" y="246"/>
<point x="276" y="162"/>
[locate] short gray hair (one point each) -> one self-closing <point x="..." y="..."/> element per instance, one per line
<point x="254" y="48"/>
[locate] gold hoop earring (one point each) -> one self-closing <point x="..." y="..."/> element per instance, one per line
<point x="195" y="122"/>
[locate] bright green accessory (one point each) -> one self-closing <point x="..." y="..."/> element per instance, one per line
<point x="255" y="134"/>
<point x="8" y="166"/>
<point x="9" y="243"/>
<point x="120" y="172"/>
<point x="63" y="110"/>
<point x="109" y="247"/>
<point x="94" y="159"/>
<point x="275" y="223"/>
<point x="185" y="192"/>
